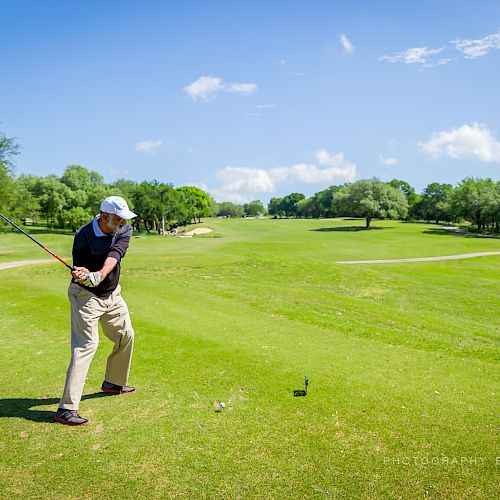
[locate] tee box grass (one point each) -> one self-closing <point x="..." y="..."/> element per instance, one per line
<point x="402" y="361"/>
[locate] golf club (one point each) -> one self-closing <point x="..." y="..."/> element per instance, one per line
<point x="37" y="242"/>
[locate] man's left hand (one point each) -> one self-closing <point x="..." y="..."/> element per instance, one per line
<point x="92" y="279"/>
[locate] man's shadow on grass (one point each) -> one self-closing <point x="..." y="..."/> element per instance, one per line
<point x="22" y="407"/>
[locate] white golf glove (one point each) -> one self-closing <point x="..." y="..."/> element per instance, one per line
<point x="92" y="279"/>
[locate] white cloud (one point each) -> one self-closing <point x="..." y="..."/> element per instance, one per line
<point x="468" y="141"/>
<point x="297" y="73"/>
<point x="440" y="62"/>
<point x="149" y="146"/>
<point x="251" y="180"/>
<point x="416" y="55"/>
<point x="241" y="184"/>
<point x="472" y="49"/>
<point x="388" y="161"/>
<point x="221" y="194"/>
<point x="240" y="88"/>
<point x="346" y="43"/>
<point x="312" y="174"/>
<point x="282" y="62"/>
<point x="263" y="106"/>
<point x="206" y="87"/>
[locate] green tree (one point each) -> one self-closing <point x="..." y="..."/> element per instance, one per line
<point x="214" y="206"/>
<point x="23" y="204"/>
<point x="308" y="208"/>
<point x="76" y="217"/>
<point x="372" y="199"/>
<point x="87" y="188"/>
<point x="53" y="197"/>
<point x="169" y="204"/>
<point x="125" y="188"/>
<point x="477" y="201"/>
<point x="496" y="212"/>
<point x="228" y="209"/>
<point x="320" y="204"/>
<point x="159" y="206"/>
<point x="411" y="196"/>
<point x="142" y="197"/>
<point x="198" y="202"/>
<point x="77" y="177"/>
<point x="8" y="150"/>
<point x="436" y="202"/>
<point x="274" y="207"/>
<point x="7" y="184"/>
<point x="288" y="204"/>
<point x="254" y="208"/>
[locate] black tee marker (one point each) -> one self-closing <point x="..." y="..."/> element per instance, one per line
<point x="302" y="392"/>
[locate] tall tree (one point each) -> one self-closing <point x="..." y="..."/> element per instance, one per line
<point x="477" y="200"/>
<point x="288" y="204"/>
<point x="372" y="199"/>
<point x="53" y="197"/>
<point x="273" y="207"/>
<point x="24" y="204"/>
<point x="254" y="208"/>
<point x="411" y="196"/>
<point x="125" y="187"/>
<point x="308" y="208"/>
<point x="198" y="202"/>
<point x="228" y="209"/>
<point x="76" y="217"/>
<point x="8" y="150"/>
<point x="436" y="202"/>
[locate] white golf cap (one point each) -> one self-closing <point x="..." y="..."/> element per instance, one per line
<point x="118" y="206"/>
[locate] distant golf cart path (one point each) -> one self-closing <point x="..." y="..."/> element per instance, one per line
<point x="19" y="263"/>
<point x="421" y="259"/>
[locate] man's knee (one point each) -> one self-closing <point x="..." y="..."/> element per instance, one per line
<point x="87" y="348"/>
<point x="128" y="333"/>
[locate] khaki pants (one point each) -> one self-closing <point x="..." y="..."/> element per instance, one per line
<point x="86" y="310"/>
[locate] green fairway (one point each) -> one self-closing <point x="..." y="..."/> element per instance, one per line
<point x="402" y="361"/>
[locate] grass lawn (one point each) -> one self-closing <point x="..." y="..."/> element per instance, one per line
<point x="402" y="361"/>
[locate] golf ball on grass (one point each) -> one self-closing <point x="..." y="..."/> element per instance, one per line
<point x="219" y="405"/>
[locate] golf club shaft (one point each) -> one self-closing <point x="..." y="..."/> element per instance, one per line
<point x="37" y="242"/>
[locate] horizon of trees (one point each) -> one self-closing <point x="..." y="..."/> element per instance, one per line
<point x="74" y="198"/>
<point x="473" y="200"/>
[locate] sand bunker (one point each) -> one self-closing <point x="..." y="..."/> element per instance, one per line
<point x="199" y="230"/>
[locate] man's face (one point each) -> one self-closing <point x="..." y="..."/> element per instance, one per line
<point x="113" y="222"/>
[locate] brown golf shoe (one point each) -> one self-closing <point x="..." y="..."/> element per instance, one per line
<point x="116" y="389"/>
<point x="69" y="417"/>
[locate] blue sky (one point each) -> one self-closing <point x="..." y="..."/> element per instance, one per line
<point x="251" y="100"/>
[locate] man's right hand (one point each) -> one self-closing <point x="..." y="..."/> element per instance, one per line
<point x="80" y="273"/>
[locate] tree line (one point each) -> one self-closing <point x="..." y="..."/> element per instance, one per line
<point x="74" y="198"/>
<point x="476" y="201"/>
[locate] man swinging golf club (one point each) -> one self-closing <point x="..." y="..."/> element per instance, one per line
<point x="94" y="295"/>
